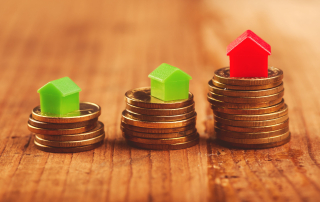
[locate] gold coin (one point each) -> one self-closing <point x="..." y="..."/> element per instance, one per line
<point x="223" y="76"/>
<point x="78" y="143"/>
<point x="231" y="87"/>
<point x="160" y="112"/>
<point x="141" y="117"/>
<point x="254" y="141"/>
<point x="161" y="140"/>
<point x="44" y="125"/>
<point x="253" y="129"/>
<point x="61" y="131"/>
<point x="86" y="112"/>
<point x="154" y="124"/>
<point x="221" y="132"/>
<point x="159" y="131"/>
<point x="218" y="103"/>
<point x="165" y="146"/>
<point x="245" y="93"/>
<point x="254" y="146"/>
<point x="251" y="123"/>
<point x="141" y="97"/>
<point x="157" y="135"/>
<point x="246" y="100"/>
<point x="282" y="112"/>
<point x="98" y="130"/>
<point x="67" y="149"/>
<point x="264" y="110"/>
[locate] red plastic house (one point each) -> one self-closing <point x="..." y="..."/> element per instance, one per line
<point x="248" y="56"/>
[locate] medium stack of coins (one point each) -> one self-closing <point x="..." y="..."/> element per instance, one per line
<point x="150" y="123"/>
<point x="76" y="131"/>
<point x="249" y="112"/>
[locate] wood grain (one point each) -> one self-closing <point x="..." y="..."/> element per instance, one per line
<point x="109" y="47"/>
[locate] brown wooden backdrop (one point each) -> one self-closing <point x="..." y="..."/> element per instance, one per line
<point x="108" y="47"/>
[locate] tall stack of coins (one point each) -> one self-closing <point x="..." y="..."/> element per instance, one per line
<point x="76" y="131"/>
<point x="249" y="112"/>
<point x="150" y="123"/>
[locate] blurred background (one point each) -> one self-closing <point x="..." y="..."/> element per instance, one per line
<point x="108" y="47"/>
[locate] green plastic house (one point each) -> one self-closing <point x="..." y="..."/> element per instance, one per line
<point x="59" y="96"/>
<point x="169" y="83"/>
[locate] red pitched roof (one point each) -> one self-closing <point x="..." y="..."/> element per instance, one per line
<point x="249" y="35"/>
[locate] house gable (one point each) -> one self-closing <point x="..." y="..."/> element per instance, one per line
<point x="179" y="76"/>
<point x="248" y="48"/>
<point x="50" y="89"/>
<point x="60" y="87"/>
<point x="251" y="36"/>
<point x="167" y="73"/>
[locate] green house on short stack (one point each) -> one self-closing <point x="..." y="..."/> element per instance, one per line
<point x="59" y="96"/>
<point x="169" y="83"/>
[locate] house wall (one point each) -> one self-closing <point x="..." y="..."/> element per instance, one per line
<point x="157" y="89"/>
<point x="50" y="103"/>
<point x="248" y="60"/>
<point x="69" y="103"/>
<point x="177" y="90"/>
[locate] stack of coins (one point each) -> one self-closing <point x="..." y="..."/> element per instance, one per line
<point x="150" y="123"/>
<point x="249" y="112"/>
<point x="76" y="131"/>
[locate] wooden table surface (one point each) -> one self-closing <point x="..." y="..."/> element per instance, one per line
<point x="109" y="47"/>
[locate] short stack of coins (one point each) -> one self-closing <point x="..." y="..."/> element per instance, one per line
<point x="76" y="131"/>
<point x="150" y="123"/>
<point x="249" y="112"/>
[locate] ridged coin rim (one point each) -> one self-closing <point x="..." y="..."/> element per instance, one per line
<point x="260" y="117"/>
<point x="254" y="111"/>
<point x="157" y="103"/>
<point x="98" y="130"/>
<point x="36" y="114"/>
<point x="67" y="149"/>
<point x="223" y="76"/>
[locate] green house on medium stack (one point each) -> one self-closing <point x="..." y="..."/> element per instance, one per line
<point x="169" y="83"/>
<point x="59" y="97"/>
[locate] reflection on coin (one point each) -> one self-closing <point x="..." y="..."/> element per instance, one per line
<point x="231" y="87"/>
<point x="61" y="131"/>
<point x="254" y="141"/>
<point x="218" y="103"/>
<point x="256" y="111"/>
<point x="141" y="97"/>
<point x="160" y="112"/>
<point x="223" y="76"/>
<point x="254" y="146"/>
<point x="158" y="135"/>
<point x="141" y="117"/>
<point x="165" y="146"/>
<point x="253" y="129"/>
<point x="67" y="149"/>
<point x="191" y="126"/>
<point x="245" y="93"/>
<point x="98" y="130"/>
<point x="44" y="125"/>
<point x="247" y="100"/>
<point x="78" y="143"/>
<point x="283" y="111"/>
<point x="149" y="124"/>
<point x="86" y="112"/>
<point x="162" y="140"/>
<point x="220" y="132"/>
<point x="251" y="123"/>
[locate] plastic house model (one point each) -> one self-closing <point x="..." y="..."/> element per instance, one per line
<point x="169" y="83"/>
<point x="59" y="96"/>
<point x="248" y="56"/>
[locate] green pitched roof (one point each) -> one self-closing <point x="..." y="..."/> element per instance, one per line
<point x="165" y="72"/>
<point x="64" y="86"/>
